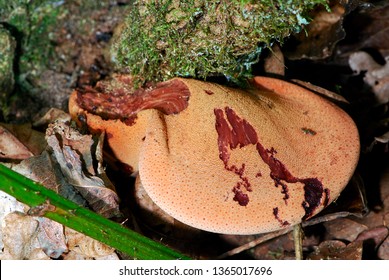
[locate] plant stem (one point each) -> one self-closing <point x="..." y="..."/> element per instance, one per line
<point x="81" y="219"/>
<point x="298" y="241"/>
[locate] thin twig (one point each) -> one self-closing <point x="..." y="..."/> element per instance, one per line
<point x="298" y="241"/>
<point x="272" y="235"/>
<point x="254" y="243"/>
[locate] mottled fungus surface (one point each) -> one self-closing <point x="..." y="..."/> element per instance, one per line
<point x="227" y="160"/>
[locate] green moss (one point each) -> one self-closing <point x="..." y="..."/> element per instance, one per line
<point x="194" y="38"/>
<point x="7" y="49"/>
<point x="32" y="22"/>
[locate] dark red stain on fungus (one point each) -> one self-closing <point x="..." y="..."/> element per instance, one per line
<point x="169" y="97"/>
<point x="242" y="134"/>
<point x="130" y="120"/>
<point x="313" y="193"/>
<point x="240" y="197"/>
<point x="234" y="132"/>
<point x="276" y="215"/>
<point x="209" y="92"/>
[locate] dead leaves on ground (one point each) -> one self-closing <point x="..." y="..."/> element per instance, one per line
<point x="19" y="142"/>
<point x="66" y="166"/>
<point x="375" y="75"/>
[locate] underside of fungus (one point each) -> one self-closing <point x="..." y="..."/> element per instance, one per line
<point x="226" y="160"/>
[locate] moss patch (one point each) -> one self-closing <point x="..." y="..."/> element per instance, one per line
<point x="194" y="38"/>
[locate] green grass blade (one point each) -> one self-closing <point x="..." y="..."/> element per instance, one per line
<point x="81" y="219"/>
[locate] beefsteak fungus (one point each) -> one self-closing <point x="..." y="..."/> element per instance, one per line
<point x="226" y="160"/>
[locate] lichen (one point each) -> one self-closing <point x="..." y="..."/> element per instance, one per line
<point x="196" y="38"/>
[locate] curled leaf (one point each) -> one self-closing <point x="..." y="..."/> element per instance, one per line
<point x="73" y="152"/>
<point x="375" y="75"/>
<point x="321" y="35"/>
<point x="337" y="250"/>
<point x="20" y="238"/>
<point x="11" y="147"/>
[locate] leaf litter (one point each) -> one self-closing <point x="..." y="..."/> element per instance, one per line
<point x="67" y="167"/>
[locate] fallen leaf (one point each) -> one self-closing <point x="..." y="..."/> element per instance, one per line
<point x="86" y="246"/>
<point x="344" y="229"/>
<point x="20" y="240"/>
<point x="32" y="139"/>
<point x="275" y="64"/>
<point x="337" y="250"/>
<point x="8" y="204"/>
<point x="320" y="37"/>
<point x="375" y="235"/>
<point x="73" y="152"/>
<point x="11" y="147"/>
<point x="369" y="29"/>
<point x="375" y="75"/>
<point x="40" y="169"/>
<point x="49" y="116"/>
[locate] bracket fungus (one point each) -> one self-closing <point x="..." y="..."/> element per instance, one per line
<point x="226" y="160"/>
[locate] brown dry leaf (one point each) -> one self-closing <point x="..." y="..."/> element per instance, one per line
<point x="32" y="139"/>
<point x="375" y="74"/>
<point x="375" y="235"/>
<point x="40" y="169"/>
<point x="337" y="250"/>
<point x="20" y="238"/>
<point x="11" y="147"/>
<point x="344" y="229"/>
<point x="45" y="170"/>
<point x="380" y="217"/>
<point x="73" y="153"/>
<point x="370" y="29"/>
<point x="275" y="63"/>
<point x="8" y="204"/>
<point x="322" y="34"/>
<point x="51" y="115"/>
<point x="51" y="239"/>
<point x="86" y="247"/>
